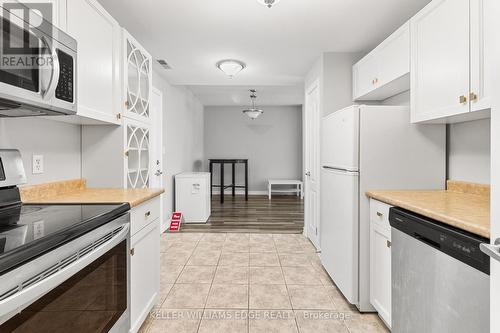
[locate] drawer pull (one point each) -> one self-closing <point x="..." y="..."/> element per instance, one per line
<point x="132" y="251"/>
<point x="389" y="244"/>
<point x="148" y="214"/>
<point x="379" y="214"/>
<point x="462" y="99"/>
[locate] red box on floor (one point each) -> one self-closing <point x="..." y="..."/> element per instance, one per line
<point x="175" y="222"/>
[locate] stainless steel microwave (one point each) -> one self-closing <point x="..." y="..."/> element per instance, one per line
<point x="37" y="64"/>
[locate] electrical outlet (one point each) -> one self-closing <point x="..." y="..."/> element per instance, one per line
<point x="37" y="164"/>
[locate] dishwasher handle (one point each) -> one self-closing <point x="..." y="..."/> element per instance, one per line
<point x="492" y="250"/>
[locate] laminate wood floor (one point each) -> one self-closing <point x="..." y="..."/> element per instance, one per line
<point x="282" y="214"/>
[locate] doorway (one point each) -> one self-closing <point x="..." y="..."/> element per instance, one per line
<point x="312" y="116"/>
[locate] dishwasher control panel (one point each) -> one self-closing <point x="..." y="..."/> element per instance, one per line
<point x="456" y="243"/>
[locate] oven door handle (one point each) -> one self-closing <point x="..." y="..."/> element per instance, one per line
<point x="55" y="73"/>
<point x="18" y="301"/>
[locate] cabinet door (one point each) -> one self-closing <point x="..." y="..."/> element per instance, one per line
<point x="380" y="271"/>
<point x="440" y="60"/>
<point x="53" y="11"/>
<point x="98" y="37"/>
<point x="482" y="39"/>
<point x="137" y="79"/>
<point x="365" y="74"/>
<point x="144" y="273"/>
<point x="394" y="56"/>
<point x="137" y="151"/>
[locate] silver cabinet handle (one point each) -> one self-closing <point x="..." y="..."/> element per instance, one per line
<point x="308" y="174"/>
<point x="379" y="214"/>
<point x="492" y="250"/>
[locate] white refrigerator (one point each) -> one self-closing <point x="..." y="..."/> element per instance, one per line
<point x="368" y="148"/>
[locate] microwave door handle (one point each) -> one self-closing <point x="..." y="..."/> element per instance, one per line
<point x="54" y="74"/>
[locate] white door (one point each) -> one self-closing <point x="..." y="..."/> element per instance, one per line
<point x="440" y="60"/>
<point x="312" y="163"/>
<point x="157" y="148"/>
<point x="495" y="174"/>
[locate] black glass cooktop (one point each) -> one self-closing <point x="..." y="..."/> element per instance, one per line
<point x="24" y="228"/>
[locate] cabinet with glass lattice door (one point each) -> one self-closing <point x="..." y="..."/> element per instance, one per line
<point x="137" y="151"/>
<point x="137" y="79"/>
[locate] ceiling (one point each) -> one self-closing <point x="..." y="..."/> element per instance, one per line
<point x="279" y="45"/>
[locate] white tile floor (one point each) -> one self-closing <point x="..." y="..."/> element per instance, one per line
<point x="218" y="283"/>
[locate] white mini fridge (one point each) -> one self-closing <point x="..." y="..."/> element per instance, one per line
<point x="192" y="196"/>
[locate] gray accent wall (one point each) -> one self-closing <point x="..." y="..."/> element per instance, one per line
<point x="469" y="151"/>
<point x="58" y="142"/>
<point x="182" y="135"/>
<point x="272" y="142"/>
<point x="469" y="146"/>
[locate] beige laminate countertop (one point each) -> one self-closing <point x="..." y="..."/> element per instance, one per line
<point x="463" y="205"/>
<point x="75" y="191"/>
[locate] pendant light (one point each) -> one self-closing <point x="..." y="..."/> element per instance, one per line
<point x="253" y="112"/>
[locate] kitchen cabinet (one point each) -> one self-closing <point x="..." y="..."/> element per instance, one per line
<point x="144" y="261"/>
<point x="137" y="153"/>
<point x="137" y="79"/>
<point x="385" y="71"/>
<point x="98" y="37"/>
<point x="380" y="260"/>
<point x="57" y="14"/>
<point x="449" y="62"/>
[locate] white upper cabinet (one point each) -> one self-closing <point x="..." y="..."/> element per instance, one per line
<point x="98" y="37"/>
<point x="137" y="79"/>
<point x="448" y="62"/>
<point x="384" y="72"/>
<point x="482" y="32"/>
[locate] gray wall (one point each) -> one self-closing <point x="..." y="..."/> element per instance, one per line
<point x="272" y="143"/>
<point x="469" y="150"/>
<point x="334" y="72"/>
<point x="469" y="146"/>
<point x="182" y="135"/>
<point x="58" y="142"/>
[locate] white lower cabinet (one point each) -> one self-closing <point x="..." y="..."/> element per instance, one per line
<point x="380" y="260"/>
<point x="144" y="270"/>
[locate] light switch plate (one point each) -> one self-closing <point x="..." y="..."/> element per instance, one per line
<point x="37" y="164"/>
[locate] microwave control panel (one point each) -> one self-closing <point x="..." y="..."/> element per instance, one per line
<point x="65" y="86"/>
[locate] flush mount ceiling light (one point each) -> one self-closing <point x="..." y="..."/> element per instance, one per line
<point x="253" y="113"/>
<point x="231" y="67"/>
<point x="268" y="3"/>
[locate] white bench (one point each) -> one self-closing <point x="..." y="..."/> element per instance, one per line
<point x="299" y="187"/>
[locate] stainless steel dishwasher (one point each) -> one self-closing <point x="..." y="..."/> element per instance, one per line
<point x="440" y="277"/>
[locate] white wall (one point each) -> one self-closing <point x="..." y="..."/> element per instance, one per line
<point x="182" y="135"/>
<point x="469" y="146"/>
<point x="58" y="142"/>
<point x="272" y="143"/>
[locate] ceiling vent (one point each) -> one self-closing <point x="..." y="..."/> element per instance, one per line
<point x="164" y="64"/>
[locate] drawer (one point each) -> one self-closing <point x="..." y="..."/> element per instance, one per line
<point x="379" y="213"/>
<point x="144" y="214"/>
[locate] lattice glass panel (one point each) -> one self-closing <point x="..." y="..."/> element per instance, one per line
<point x="138" y="157"/>
<point x="138" y="81"/>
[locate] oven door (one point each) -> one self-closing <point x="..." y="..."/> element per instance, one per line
<point x="36" y="70"/>
<point x="79" y="287"/>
